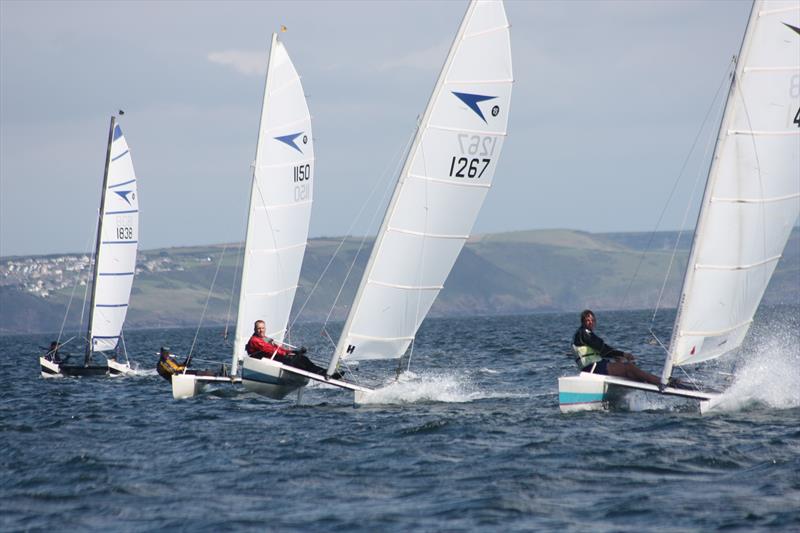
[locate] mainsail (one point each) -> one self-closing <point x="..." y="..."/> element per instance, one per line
<point x="280" y="204"/>
<point x="442" y="185"/>
<point x="117" y="242"/>
<point x="752" y="197"/>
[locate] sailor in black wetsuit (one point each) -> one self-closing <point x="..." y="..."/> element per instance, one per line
<point x="596" y="357"/>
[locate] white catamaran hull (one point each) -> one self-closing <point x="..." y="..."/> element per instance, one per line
<point x="115" y="368"/>
<point x="186" y="386"/>
<point x="270" y="378"/>
<point x="276" y="380"/>
<point x="49" y="368"/>
<point x="596" y="392"/>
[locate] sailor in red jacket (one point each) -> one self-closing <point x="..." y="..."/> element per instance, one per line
<point x="260" y="346"/>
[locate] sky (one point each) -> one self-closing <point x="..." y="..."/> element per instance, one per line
<point x="607" y="103"/>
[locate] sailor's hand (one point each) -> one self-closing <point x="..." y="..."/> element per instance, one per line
<point x="302" y="350"/>
<point x="629" y="357"/>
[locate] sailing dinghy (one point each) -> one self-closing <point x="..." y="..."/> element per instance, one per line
<point x="750" y="205"/>
<point x="112" y="273"/>
<point x="440" y="189"/>
<point x="277" y="230"/>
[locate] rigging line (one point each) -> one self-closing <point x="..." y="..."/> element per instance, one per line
<point x="72" y="296"/>
<point x="268" y="223"/>
<point x="393" y="164"/>
<point x="124" y="348"/>
<point x="678" y="179"/>
<point x="421" y="264"/>
<point x="88" y="280"/>
<point x="358" y="251"/>
<point x="711" y="143"/>
<point x="729" y="71"/>
<point x="233" y="290"/>
<point x="205" y="307"/>
<point x="762" y="208"/>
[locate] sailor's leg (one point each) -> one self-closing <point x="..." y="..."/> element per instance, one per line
<point x="304" y="363"/>
<point x="632" y="372"/>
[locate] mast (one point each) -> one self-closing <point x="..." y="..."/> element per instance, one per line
<point x="722" y="136"/>
<point x="90" y="343"/>
<point x="246" y="262"/>
<point x="396" y="194"/>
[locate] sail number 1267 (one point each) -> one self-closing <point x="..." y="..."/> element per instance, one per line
<point x="480" y="147"/>
<point x="465" y="167"/>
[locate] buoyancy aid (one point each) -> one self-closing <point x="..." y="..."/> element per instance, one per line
<point x="585" y="355"/>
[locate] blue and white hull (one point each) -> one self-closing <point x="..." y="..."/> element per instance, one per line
<point x="270" y="378"/>
<point x="595" y="392"/>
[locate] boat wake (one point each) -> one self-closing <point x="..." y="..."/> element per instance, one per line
<point x="767" y="378"/>
<point x="137" y="371"/>
<point x="427" y="387"/>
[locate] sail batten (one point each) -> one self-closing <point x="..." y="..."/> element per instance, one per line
<point x="428" y="234"/>
<point x="768" y="260"/>
<point x="751" y="200"/>
<point x="467" y="130"/>
<point x="449" y="182"/>
<point x="762" y="133"/>
<point x="757" y="200"/>
<point x="407" y="287"/>
<point x="714" y="333"/>
<point x="431" y="213"/>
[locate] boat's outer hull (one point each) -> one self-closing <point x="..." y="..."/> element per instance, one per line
<point x="593" y="392"/>
<point x="51" y="369"/>
<point x="266" y="377"/>
<point x="584" y="392"/>
<point x="115" y="368"/>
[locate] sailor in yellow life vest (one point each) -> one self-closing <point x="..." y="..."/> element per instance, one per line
<point x="596" y="357"/>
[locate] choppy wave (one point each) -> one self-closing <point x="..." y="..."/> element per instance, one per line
<point x="471" y="440"/>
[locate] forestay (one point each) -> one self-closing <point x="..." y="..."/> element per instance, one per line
<point x="440" y="189"/>
<point x="752" y="197"/>
<point x="115" y="261"/>
<point x="280" y="204"/>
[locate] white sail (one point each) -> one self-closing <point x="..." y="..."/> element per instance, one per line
<point x="752" y="197"/>
<point x="116" y="252"/>
<point x="440" y="190"/>
<point x="280" y="204"/>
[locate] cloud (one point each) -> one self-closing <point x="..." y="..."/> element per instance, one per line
<point x="242" y="61"/>
<point x="429" y="59"/>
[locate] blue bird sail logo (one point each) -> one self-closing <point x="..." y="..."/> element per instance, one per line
<point x="472" y="101"/>
<point x="290" y="140"/>
<point x="124" y="196"/>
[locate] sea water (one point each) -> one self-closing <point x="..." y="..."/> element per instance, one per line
<point x="470" y="439"/>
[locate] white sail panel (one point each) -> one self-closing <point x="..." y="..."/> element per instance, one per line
<point x="752" y="199"/>
<point x="116" y="258"/>
<point x="280" y="204"/>
<point x="440" y="190"/>
<point x="433" y="217"/>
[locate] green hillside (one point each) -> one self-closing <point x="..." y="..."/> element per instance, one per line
<point x="504" y="273"/>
